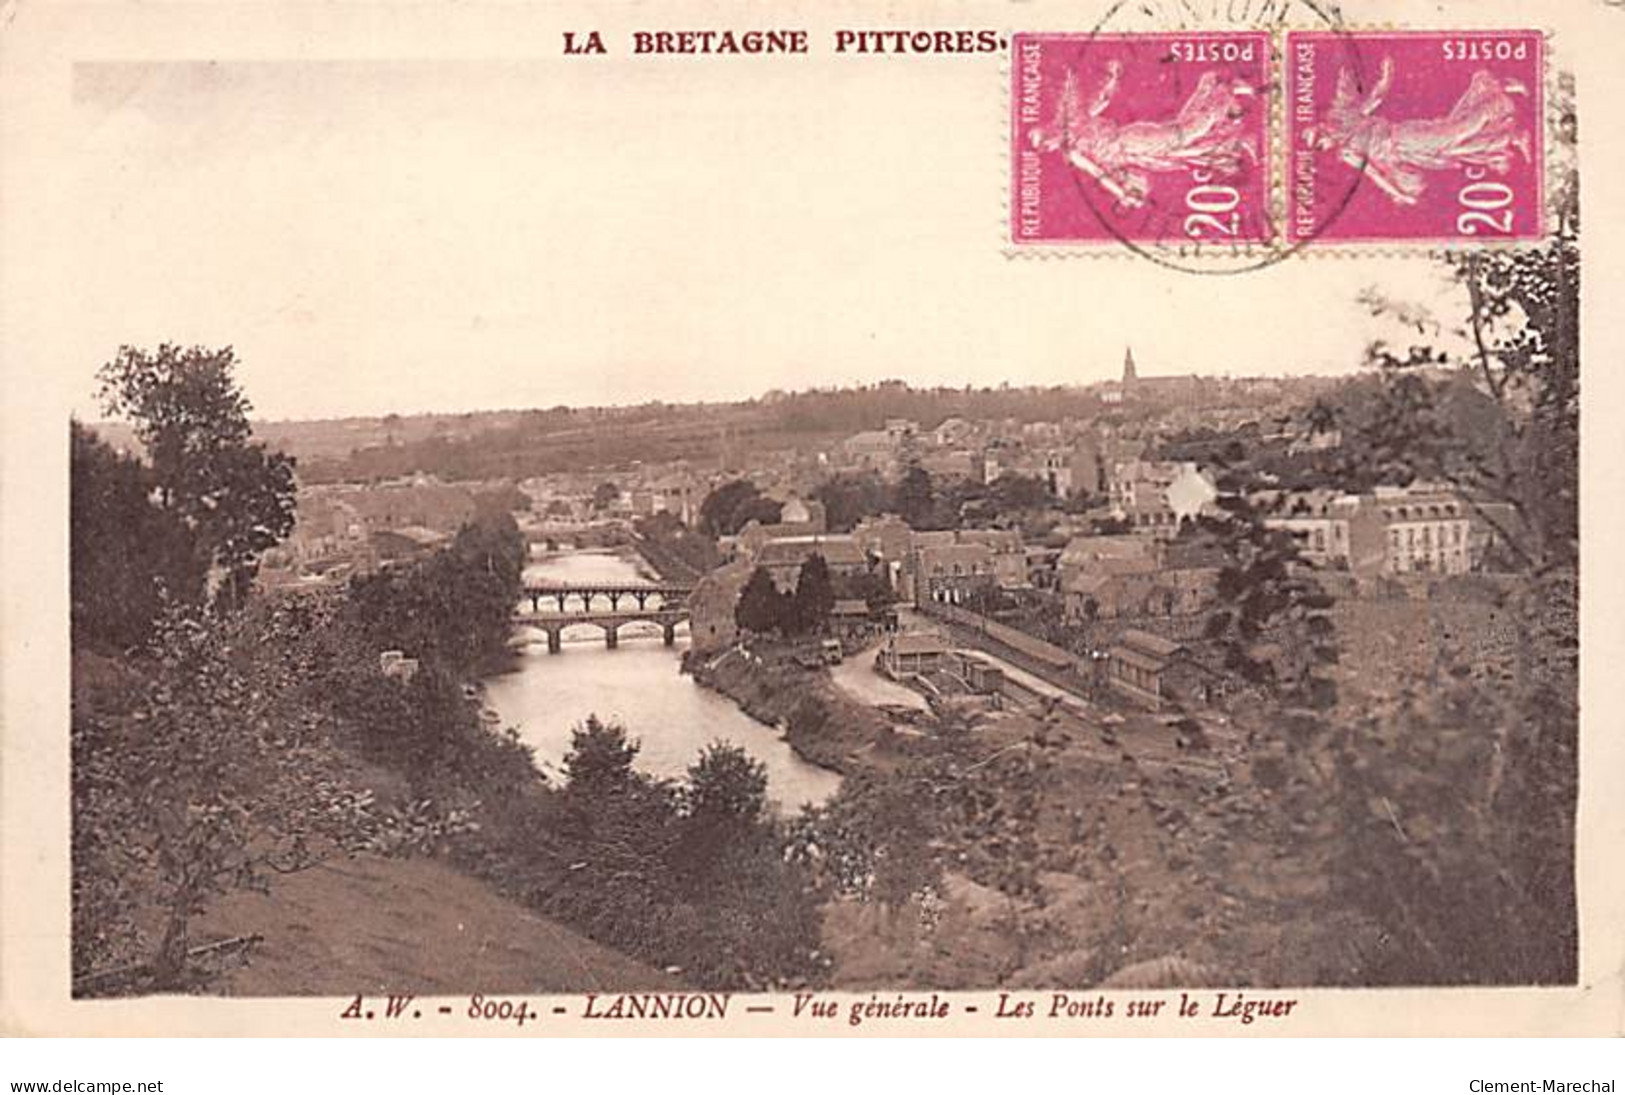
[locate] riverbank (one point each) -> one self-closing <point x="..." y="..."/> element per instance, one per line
<point x="637" y="686"/>
<point x="665" y="560"/>
<point x="820" y="722"/>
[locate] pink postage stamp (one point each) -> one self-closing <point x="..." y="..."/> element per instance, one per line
<point x="1155" y="138"/>
<point x="1414" y="136"/>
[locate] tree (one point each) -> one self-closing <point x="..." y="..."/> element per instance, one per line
<point x="814" y="597"/>
<point x="727" y="788"/>
<point x="848" y="499"/>
<point x="605" y="494"/>
<point x="128" y="556"/>
<point x="760" y="509"/>
<point x="233" y="493"/>
<point x="455" y="607"/>
<point x="206" y="774"/>
<point x="716" y="511"/>
<point x="734" y="505"/>
<point x="869" y="587"/>
<point x="492" y="544"/>
<point x="761" y="608"/>
<point x="1013" y="492"/>
<point x="250" y="508"/>
<point x="600" y="757"/>
<point x="613" y="845"/>
<point x="506" y="499"/>
<point x="1442" y="805"/>
<point x="916" y="498"/>
<point x="1322" y="417"/>
<point x="1272" y="617"/>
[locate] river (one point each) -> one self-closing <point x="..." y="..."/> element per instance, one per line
<point x="638" y="685"/>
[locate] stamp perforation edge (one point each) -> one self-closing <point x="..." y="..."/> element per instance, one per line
<point x="1431" y="249"/>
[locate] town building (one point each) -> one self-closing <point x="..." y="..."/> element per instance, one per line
<point x="1319" y="520"/>
<point x="888" y="543"/>
<point x="346" y="529"/>
<point x="953" y="432"/>
<point x="1073" y="472"/>
<point x="1121" y="554"/>
<point x="1155" y="672"/>
<point x="954" y="464"/>
<point x="422" y="501"/>
<point x="783" y="558"/>
<point x="711" y="604"/>
<point x="871" y="450"/>
<point x="1418" y="529"/>
<point x="1175" y="592"/>
<point x="803" y="513"/>
<point x="1423" y="529"/>
<point x="1112" y="577"/>
<point x="853" y="618"/>
<point x="1008" y="555"/>
<point x="906" y="653"/>
<point x="1156" y="497"/>
<point x="953" y="573"/>
<point x="1164" y="391"/>
<point x="755" y="535"/>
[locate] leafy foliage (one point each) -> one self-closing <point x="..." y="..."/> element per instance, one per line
<point x="734" y="505"/>
<point x="1443" y="806"/>
<point x="454" y="608"/>
<point x="129" y="556"/>
<point x="761" y="608"/>
<point x="691" y="877"/>
<point x="956" y="804"/>
<point x="1425" y="796"/>
<point x="209" y="777"/>
<point x="916" y="500"/>
<point x="809" y="607"/>
<point x="676" y="550"/>
<point x="235" y="495"/>
<point x="1272" y="616"/>
<point x="600" y="759"/>
<point x="1013" y="492"/>
<point x="727" y="790"/>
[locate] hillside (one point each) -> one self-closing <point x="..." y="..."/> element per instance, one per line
<point x="416" y="926"/>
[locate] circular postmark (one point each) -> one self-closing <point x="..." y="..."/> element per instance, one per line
<point x="1225" y="215"/>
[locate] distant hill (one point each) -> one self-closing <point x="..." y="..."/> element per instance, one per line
<point x="520" y="443"/>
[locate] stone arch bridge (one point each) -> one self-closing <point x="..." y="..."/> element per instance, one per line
<point x="554" y="606"/>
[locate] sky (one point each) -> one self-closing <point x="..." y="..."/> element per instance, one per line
<point x="405" y="236"/>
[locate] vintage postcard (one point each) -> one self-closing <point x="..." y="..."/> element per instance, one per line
<point x="1042" y="519"/>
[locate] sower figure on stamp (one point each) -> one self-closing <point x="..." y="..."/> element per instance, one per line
<point x="1481" y="130"/>
<point x="1208" y="133"/>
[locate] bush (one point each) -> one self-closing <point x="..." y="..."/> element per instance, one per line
<point x="689" y="875"/>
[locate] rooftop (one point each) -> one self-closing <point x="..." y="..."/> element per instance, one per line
<point x="1144" y="642"/>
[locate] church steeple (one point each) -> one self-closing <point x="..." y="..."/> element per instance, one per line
<point x="1128" y="367"/>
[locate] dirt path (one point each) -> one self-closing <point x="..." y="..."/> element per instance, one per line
<point x="856" y="677"/>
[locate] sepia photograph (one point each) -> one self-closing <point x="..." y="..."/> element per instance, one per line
<point x="611" y="528"/>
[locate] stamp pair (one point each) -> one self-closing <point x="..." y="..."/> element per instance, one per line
<point x="1216" y="139"/>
